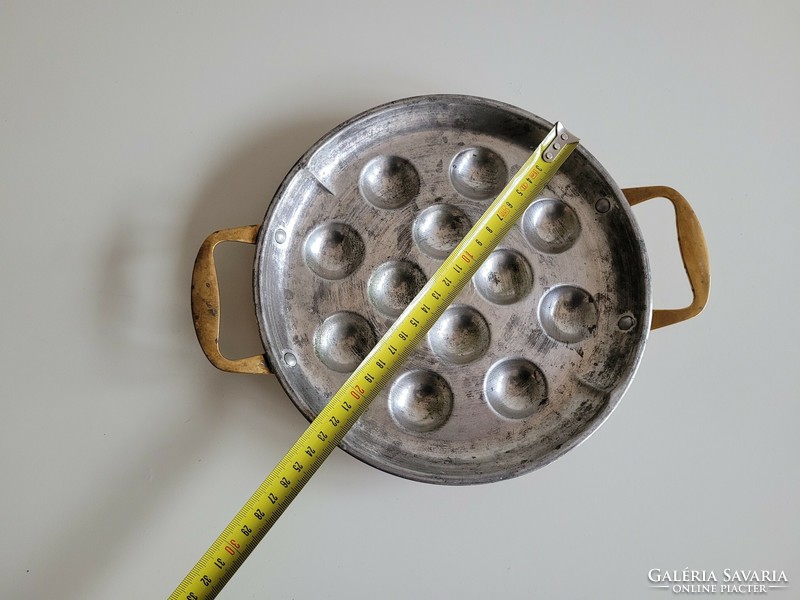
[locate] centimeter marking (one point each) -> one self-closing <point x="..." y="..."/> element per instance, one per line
<point x="274" y="495"/>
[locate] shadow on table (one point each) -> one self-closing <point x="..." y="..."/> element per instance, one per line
<point x="122" y="502"/>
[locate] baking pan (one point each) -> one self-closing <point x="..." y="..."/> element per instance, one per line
<point x="539" y="347"/>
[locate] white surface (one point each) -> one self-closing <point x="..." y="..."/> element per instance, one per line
<point x="130" y="131"/>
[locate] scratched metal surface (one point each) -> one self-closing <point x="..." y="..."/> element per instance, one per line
<point x="538" y="348"/>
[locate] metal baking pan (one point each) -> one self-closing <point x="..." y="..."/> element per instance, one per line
<point x="540" y="346"/>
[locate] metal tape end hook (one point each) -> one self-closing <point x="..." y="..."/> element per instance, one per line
<point x="561" y="139"/>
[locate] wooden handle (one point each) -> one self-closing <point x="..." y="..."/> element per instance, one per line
<point x="694" y="252"/>
<point x="206" y="305"/>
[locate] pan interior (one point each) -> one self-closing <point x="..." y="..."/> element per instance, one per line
<point x="530" y="359"/>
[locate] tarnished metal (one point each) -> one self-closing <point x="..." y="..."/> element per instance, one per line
<point x="537" y="350"/>
<point x="531" y="358"/>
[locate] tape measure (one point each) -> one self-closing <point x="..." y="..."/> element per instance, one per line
<point x="266" y="505"/>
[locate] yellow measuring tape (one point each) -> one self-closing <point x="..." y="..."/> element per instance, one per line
<point x="266" y="505"/>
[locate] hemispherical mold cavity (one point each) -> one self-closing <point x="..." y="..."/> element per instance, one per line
<point x="460" y="336"/>
<point x="550" y="225"/>
<point x="420" y="401"/>
<point x="515" y="388"/>
<point x="333" y="250"/>
<point x="439" y="228"/>
<point x="389" y="182"/>
<point x="478" y="173"/>
<point x="393" y="285"/>
<point x="343" y="340"/>
<point x="504" y="278"/>
<point x="568" y="314"/>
